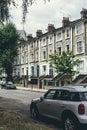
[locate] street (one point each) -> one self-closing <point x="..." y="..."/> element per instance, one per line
<point x="19" y="101"/>
<point x="23" y="96"/>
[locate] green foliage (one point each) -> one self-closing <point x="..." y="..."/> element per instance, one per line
<point x="5" y="4"/>
<point x="64" y="63"/>
<point x="4" y="10"/>
<point x="8" y="47"/>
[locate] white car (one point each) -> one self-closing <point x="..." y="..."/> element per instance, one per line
<point x="67" y="104"/>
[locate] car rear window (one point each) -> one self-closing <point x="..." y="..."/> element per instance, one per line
<point x="83" y="96"/>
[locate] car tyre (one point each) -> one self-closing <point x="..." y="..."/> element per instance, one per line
<point x="70" y="123"/>
<point x="34" y="113"/>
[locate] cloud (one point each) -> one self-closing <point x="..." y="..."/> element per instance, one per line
<point x="40" y="14"/>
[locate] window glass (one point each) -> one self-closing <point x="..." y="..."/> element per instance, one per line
<point x="83" y="96"/>
<point x="67" y="33"/>
<point x="44" y="54"/>
<point x="67" y="47"/>
<point x="50" y="94"/>
<point x="57" y="94"/>
<point x="79" y="47"/>
<point x="79" y="29"/>
<point x="59" y="50"/>
<point x="51" y="70"/>
<point x="65" y="95"/>
<point x="32" y="71"/>
<point x="37" y="56"/>
<point x="44" y="42"/>
<point x="59" y="36"/>
<point x="74" y="96"/>
<point x="80" y="67"/>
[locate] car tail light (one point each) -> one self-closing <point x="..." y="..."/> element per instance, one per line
<point x="81" y="109"/>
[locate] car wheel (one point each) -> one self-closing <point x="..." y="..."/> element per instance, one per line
<point x="70" y="123"/>
<point x="34" y="113"/>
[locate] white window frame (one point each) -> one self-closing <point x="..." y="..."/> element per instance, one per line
<point x="32" y="70"/>
<point x="67" y="45"/>
<point x="22" y="71"/>
<point x="32" y="57"/>
<point x="50" y="39"/>
<point x="44" y="69"/>
<point x="44" y="55"/>
<point x="37" y="55"/>
<point x="79" y="29"/>
<point x="79" y="46"/>
<point x="67" y="33"/>
<point x="80" y="67"/>
<point x="43" y="42"/>
<point x="59" y="50"/>
<point x="59" y="36"/>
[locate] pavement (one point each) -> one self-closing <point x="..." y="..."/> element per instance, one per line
<point x="32" y="89"/>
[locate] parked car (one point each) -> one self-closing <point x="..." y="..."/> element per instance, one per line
<point x="8" y="85"/>
<point x="67" y="104"/>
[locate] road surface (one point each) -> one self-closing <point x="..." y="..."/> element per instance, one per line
<point x="19" y="101"/>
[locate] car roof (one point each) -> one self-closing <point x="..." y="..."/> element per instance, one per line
<point x="72" y="88"/>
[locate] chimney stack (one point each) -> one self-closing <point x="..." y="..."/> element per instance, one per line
<point x="29" y="37"/>
<point x="39" y="33"/>
<point x="83" y="13"/>
<point x="65" y="21"/>
<point x="51" y="28"/>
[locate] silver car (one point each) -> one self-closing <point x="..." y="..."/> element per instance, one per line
<point x="67" y="104"/>
<point x="8" y="85"/>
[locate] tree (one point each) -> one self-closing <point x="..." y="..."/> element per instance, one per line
<point x="8" y="48"/>
<point x="64" y="63"/>
<point x="5" y="4"/>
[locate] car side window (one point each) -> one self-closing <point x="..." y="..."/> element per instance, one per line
<point x="57" y="94"/>
<point x="50" y="94"/>
<point x="74" y="96"/>
<point x="65" y="95"/>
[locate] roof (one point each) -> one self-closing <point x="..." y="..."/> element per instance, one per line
<point x="45" y="77"/>
<point x="61" y="76"/>
<point x="84" y="80"/>
<point x="73" y="88"/>
<point x="81" y="78"/>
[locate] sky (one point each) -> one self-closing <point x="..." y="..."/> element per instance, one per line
<point x="41" y="14"/>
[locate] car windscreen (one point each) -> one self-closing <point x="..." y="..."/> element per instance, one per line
<point x="83" y="96"/>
